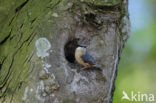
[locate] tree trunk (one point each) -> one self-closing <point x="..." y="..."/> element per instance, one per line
<point x="37" y="44"/>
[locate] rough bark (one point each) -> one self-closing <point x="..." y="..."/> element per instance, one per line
<point x="37" y="42"/>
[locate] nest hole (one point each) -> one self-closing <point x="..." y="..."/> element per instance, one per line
<point x="69" y="50"/>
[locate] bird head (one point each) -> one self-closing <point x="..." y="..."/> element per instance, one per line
<point x="81" y="49"/>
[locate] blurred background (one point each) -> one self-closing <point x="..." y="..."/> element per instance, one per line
<point x="137" y="67"/>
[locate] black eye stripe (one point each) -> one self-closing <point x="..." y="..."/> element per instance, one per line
<point x="83" y="46"/>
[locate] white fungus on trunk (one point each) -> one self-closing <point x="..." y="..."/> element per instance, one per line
<point x="42" y="46"/>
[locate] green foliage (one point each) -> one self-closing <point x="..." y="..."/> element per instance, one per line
<point x="137" y="66"/>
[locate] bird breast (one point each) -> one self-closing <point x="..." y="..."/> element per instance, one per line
<point x="78" y="53"/>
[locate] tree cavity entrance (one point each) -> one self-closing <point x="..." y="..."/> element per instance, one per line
<point x="69" y="50"/>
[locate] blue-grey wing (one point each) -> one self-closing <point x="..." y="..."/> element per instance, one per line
<point x="87" y="58"/>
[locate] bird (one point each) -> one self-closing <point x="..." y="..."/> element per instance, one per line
<point x="83" y="57"/>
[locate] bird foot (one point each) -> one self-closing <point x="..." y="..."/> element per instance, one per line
<point x="79" y="70"/>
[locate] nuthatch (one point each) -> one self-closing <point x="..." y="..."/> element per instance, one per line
<point x="84" y="58"/>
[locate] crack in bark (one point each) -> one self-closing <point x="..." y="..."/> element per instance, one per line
<point x="31" y="57"/>
<point x="6" y="38"/>
<point x="21" y="6"/>
<point x="32" y="21"/>
<point x="17" y="10"/>
<point x="12" y="37"/>
<point x="5" y="80"/>
<point x="12" y="20"/>
<point x="22" y="44"/>
<point x="28" y="58"/>
<point x="21" y="25"/>
<point x="7" y="76"/>
<point x="32" y="39"/>
<point x="25" y="60"/>
<point x="9" y="71"/>
<point x="21" y="35"/>
<point x="20" y="84"/>
<point x="1" y="64"/>
<point x="4" y="93"/>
